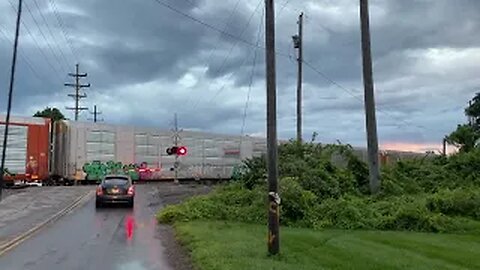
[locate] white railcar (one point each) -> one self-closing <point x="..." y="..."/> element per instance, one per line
<point x="209" y="155"/>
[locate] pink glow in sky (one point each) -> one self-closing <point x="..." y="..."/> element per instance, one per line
<point x="415" y="147"/>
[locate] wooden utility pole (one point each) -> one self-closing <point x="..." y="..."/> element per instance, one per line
<point x="371" y="122"/>
<point x="470" y="118"/>
<point x="10" y="94"/>
<point x="273" y="197"/>
<point x="77" y="96"/>
<point x="95" y="113"/>
<point x="298" y="44"/>
<point x="444" y="150"/>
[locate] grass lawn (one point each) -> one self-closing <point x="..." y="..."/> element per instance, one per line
<point x="220" y="245"/>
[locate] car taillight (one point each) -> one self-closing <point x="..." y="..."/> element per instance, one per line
<point x="131" y="190"/>
<point x="99" y="190"/>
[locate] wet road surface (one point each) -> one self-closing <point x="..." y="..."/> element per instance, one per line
<point x="111" y="238"/>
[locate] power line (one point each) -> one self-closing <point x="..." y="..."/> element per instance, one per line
<point x="255" y="46"/>
<point x="36" y="42"/>
<point x="233" y="46"/>
<point x="352" y="93"/>
<point x="251" y="75"/>
<point x="283" y="7"/>
<point x="214" y="28"/>
<point x="217" y="43"/>
<point x="45" y="38"/>
<point x="262" y="47"/>
<point x="27" y="62"/>
<point x="50" y="31"/>
<point x="53" y="6"/>
<point x="191" y="2"/>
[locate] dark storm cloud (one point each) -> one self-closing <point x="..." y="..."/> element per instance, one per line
<point x="130" y="43"/>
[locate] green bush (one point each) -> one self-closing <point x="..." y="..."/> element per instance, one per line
<point x="326" y="186"/>
<point x="297" y="204"/>
<point x="344" y="213"/>
<point x="396" y="213"/>
<point x="312" y="165"/>
<point x="253" y="172"/>
<point x="460" y="202"/>
<point x="233" y="202"/>
<point x="237" y="203"/>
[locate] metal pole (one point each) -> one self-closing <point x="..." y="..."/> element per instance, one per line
<point x="371" y="122"/>
<point x="175" y="180"/>
<point x="95" y="113"/>
<point x="273" y="209"/>
<point x="10" y="93"/>
<point x="299" y="78"/>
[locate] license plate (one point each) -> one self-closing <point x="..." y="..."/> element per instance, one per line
<point x="115" y="191"/>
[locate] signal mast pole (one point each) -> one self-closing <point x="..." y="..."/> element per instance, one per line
<point x="175" y="142"/>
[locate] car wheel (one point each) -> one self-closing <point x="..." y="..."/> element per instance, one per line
<point x="131" y="204"/>
<point x="98" y="204"/>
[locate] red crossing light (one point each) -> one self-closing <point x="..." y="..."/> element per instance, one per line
<point x="177" y="150"/>
<point x="182" y="151"/>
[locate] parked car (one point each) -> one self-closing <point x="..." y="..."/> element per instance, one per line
<point x="115" y="189"/>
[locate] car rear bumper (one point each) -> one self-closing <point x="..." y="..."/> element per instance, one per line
<point x="115" y="198"/>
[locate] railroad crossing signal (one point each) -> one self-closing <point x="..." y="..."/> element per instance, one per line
<point x="177" y="150"/>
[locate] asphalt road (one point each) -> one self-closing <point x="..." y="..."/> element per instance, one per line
<point x="112" y="238"/>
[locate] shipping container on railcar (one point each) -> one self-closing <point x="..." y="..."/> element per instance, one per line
<point x="28" y="149"/>
<point x="87" y="151"/>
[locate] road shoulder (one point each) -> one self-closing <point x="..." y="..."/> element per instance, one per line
<point x="24" y="213"/>
<point x="178" y="255"/>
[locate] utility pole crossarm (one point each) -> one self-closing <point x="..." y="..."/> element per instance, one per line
<point x="75" y="85"/>
<point x="79" y="96"/>
<point x="79" y="108"/>
<point x="78" y="75"/>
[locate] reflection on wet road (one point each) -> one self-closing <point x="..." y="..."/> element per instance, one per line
<point x="112" y="238"/>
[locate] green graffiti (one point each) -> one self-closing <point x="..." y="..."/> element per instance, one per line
<point x="131" y="170"/>
<point x="96" y="170"/>
<point x="238" y="171"/>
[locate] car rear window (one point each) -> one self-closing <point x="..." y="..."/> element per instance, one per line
<point x="116" y="181"/>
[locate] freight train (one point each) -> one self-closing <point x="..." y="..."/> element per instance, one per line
<point x="66" y="152"/>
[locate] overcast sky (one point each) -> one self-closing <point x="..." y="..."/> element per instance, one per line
<point x="146" y="61"/>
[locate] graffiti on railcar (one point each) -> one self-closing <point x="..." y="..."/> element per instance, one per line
<point x="96" y="170"/>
